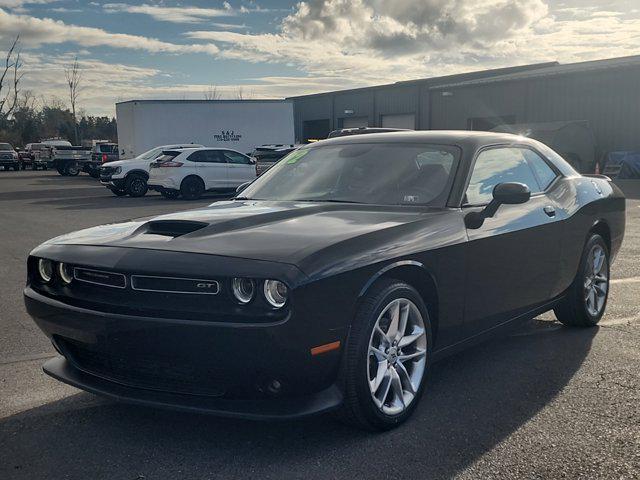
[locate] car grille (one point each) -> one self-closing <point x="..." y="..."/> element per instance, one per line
<point x="6" y="156"/>
<point x="154" y="371"/>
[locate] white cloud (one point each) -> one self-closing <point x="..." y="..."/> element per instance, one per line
<point x="375" y="41"/>
<point x="172" y="14"/>
<point x="38" y="31"/>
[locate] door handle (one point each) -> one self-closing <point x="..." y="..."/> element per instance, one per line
<point x="550" y="211"/>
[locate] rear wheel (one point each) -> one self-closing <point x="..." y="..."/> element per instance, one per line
<point x="171" y="194"/>
<point x="388" y="355"/>
<point x="72" y="170"/>
<point x="192" y="188"/>
<point x="136" y="185"/>
<point x="586" y="299"/>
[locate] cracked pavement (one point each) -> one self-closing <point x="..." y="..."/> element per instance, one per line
<point x="544" y="402"/>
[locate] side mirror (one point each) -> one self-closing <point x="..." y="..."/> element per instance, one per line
<point x="511" y="193"/>
<point x="508" y="193"/>
<point x="242" y="186"/>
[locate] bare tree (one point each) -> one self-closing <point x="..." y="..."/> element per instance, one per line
<point x="73" y="75"/>
<point x="239" y="93"/>
<point x="212" y="93"/>
<point x="10" y="73"/>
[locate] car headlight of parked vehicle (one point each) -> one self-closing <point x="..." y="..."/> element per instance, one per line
<point x="66" y="272"/>
<point x="45" y="269"/>
<point x="243" y="289"/>
<point x="276" y="293"/>
<point x="117" y="170"/>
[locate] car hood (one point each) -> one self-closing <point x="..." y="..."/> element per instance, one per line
<point x="297" y="233"/>
<point x="132" y="162"/>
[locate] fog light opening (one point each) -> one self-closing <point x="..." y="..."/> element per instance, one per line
<point x="274" y="387"/>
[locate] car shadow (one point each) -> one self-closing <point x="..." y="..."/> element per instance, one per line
<point x="474" y="400"/>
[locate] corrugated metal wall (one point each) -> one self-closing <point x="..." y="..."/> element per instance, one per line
<point x="609" y="100"/>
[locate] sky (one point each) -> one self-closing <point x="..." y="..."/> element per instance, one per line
<point x="279" y="48"/>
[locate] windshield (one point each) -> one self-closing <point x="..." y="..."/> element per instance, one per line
<point x="375" y="173"/>
<point x="150" y="154"/>
<point x="5" y="146"/>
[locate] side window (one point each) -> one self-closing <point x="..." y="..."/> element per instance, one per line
<point x="237" y="158"/>
<point x="498" y="165"/>
<point x="541" y="169"/>
<point x="206" y="156"/>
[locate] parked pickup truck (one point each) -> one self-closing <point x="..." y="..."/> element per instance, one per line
<point x="68" y="160"/>
<point x="9" y="157"/>
<point x="100" y="154"/>
<point x="31" y="157"/>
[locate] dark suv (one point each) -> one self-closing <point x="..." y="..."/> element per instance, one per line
<point x="268" y="155"/>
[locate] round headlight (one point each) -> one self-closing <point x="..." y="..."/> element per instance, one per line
<point x="45" y="269"/>
<point x="243" y="289"/>
<point x="276" y="293"/>
<point x="65" y="272"/>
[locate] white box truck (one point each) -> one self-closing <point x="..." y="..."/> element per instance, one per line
<point x="240" y="125"/>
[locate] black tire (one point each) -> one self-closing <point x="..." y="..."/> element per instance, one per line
<point x="358" y="408"/>
<point x="118" y="193"/>
<point x="71" y="170"/>
<point x="136" y="185"/>
<point x="192" y="188"/>
<point x="573" y="310"/>
<point x="34" y="167"/>
<point x="170" y="194"/>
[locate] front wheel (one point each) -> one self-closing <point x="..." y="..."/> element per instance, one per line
<point x="136" y="185"/>
<point x="586" y="300"/>
<point x="388" y="357"/>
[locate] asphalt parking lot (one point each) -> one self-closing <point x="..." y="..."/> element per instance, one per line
<point x="544" y="402"/>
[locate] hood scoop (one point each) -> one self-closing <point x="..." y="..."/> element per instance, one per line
<point x="170" y="228"/>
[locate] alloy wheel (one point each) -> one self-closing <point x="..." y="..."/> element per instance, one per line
<point x="596" y="281"/>
<point x="397" y="356"/>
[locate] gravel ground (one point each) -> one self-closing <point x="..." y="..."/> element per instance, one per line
<point x="544" y="402"/>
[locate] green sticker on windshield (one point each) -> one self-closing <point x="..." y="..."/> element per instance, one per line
<point x="295" y="156"/>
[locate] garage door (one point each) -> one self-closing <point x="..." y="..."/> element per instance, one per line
<point x="355" y="122"/>
<point x="407" y="120"/>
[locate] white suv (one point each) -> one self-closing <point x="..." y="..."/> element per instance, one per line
<point x="129" y="177"/>
<point x="192" y="171"/>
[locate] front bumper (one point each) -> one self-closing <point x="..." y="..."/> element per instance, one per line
<point x="190" y="365"/>
<point x="271" y="409"/>
<point x="9" y="163"/>
<point x="112" y="183"/>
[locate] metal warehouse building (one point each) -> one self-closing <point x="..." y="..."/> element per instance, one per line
<point x="603" y="95"/>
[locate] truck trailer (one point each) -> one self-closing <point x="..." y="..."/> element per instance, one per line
<point x="240" y="125"/>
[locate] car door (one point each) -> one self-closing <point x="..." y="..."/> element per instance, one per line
<point x="513" y="255"/>
<point x="212" y="168"/>
<point x="240" y="168"/>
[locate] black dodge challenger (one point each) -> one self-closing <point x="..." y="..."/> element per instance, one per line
<point x="333" y="281"/>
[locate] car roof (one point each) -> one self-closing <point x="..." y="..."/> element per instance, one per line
<point x="462" y="138"/>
